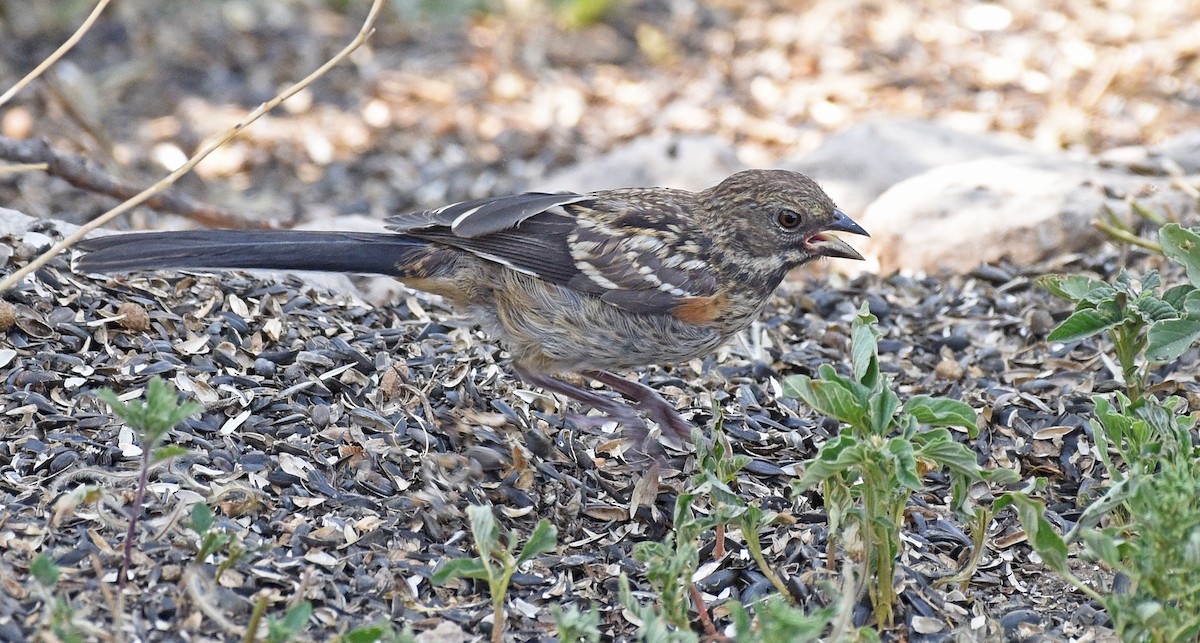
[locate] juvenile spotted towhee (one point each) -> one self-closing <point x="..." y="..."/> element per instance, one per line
<point x="568" y="283"/>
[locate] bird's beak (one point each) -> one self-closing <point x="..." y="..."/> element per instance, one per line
<point x="824" y="245"/>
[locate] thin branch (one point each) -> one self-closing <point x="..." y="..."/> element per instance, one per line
<point x="1118" y="234"/>
<point x="363" y="33"/>
<point x="58" y="53"/>
<point x="82" y="173"/>
<point x="23" y="167"/>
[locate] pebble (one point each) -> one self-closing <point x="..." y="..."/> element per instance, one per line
<point x="1012" y="620"/>
<point x="134" y="318"/>
<point x="8" y="315"/>
<point x="319" y="414"/>
<point x="948" y="370"/>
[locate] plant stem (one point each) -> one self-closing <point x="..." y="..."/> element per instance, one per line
<point x="1124" y="338"/>
<point x="705" y="621"/>
<point x="498" y="608"/>
<point x="750" y="534"/>
<point x="978" y="535"/>
<point x="260" y="608"/>
<point x="1121" y="235"/>
<point x="133" y="517"/>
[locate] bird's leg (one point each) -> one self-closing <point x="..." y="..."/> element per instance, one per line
<point x="612" y="409"/>
<point x="649" y="402"/>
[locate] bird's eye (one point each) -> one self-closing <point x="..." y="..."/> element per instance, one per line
<point x="788" y="219"/>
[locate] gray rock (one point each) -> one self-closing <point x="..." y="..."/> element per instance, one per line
<point x="1183" y="150"/>
<point x="858" y="164"/>
<point x="1178" y="155"/>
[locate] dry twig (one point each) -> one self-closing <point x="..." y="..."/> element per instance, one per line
<point x="82" y="173"/>
<point x="363" y="33"/>
<point x="58" y="53"/>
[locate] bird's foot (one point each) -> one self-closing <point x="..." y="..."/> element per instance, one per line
<point x="648" y="401"/>
<point x="676" y="431"/>
<point x="634" y="431"/>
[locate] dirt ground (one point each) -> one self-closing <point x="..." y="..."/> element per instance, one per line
<point x="446" y="103"/>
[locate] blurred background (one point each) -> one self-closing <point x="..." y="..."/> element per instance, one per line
<point x="455" y="99"/>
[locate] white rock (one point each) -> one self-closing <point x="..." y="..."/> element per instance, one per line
<point x="1025" y="208"/>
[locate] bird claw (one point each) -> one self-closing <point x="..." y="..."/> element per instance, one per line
<point x="634" y="431"/>
<point x="675" y="430"/>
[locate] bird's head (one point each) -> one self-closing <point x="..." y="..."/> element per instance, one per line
<point x="778" y="219"/>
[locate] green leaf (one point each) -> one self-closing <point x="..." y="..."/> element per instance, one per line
<point x="1076" y="288"/>
<point x="902" y="455"/>
<point x="1083" y="323"/>
<point x="884" y="403"/>
<point x="44" y="571"/>
<point x="1039" y="532"/>
<point x="792" y="385"/>
<point x="1151" y="282"/>
<point x="1104" y="545"/>
<point x="368" y="634"/>
<point x="828" y="373"/>
<point x="1154" y="309"/>
<point x="483" y="529"/>
<point x="459" y="568"/>
<point x="1183" y="246"/>
<point x="835" y="457"/>
<point x="834" y="400"/>
<point x="166" y="453"/>
<point x="543" y="539"/>
<point x="297" y="617"/>
<point x="940" y="411"/>
<point x="1123" y="283"/>
<point x="682" y="512"/>
<point x="939" y="447"/>
<point x="202" y="518"/>
<point x="1167" y="340"/>
<point x="1177" y="295"/>
<point x="864" y="339"/>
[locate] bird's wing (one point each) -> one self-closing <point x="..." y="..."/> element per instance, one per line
<point x="472" y="219"/>
<point x="627" y="251"/>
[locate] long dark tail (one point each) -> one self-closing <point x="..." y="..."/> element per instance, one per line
<point x="363" y="252"/>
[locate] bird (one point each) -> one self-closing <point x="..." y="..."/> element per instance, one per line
<point x="570" y="284"/>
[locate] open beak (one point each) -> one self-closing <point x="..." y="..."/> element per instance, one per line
<point x="824" y="245"/>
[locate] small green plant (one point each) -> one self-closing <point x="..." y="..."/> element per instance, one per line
<point x="671" y="563"/>
<point x="869" y="470"/>
<point x="575" y="626"/>
<point x="1152" y="503"/>
<point x="778" y="621"/>
<point x="150" y="421"/>
<point x="213" y="541"/>
<point x="60" y="614"/>
<point x="1161" y="558"/>
<point x="718" y="468"/>
<point x="1156" y="545"/>
<point x="381" y="633"/>
<point x="656" y="626"/>
<point x="292" y="625"/>
<point x="281" y="630"/>
<point x="1144" y="322"/>
<point x="497" y="562"/>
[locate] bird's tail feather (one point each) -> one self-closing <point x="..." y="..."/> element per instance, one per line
<point x="361" y="252"/>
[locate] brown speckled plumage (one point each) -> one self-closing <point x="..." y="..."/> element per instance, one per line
<point x="568" y="283"/>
